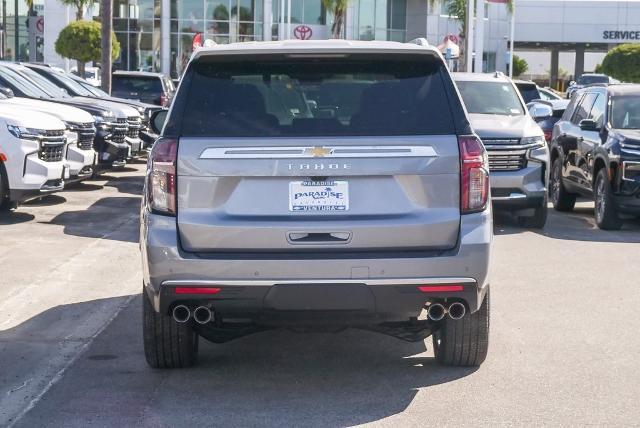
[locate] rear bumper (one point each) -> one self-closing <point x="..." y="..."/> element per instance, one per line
<point x="380" y="289"/>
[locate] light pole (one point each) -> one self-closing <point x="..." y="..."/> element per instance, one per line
<point x="513" y="33"/>
<point x="16" y="31"/>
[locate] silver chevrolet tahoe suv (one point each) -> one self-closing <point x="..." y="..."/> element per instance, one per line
<point x="316" y="185"/>
<point x="518" y="152"/>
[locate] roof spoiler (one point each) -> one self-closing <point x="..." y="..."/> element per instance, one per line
<point x="420" y="41"/>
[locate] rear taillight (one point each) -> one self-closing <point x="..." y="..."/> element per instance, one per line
<point x="474" y="175"/>
<point x="161" y="182"/>
<point x="164" y="100"/>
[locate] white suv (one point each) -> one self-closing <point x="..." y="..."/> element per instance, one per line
<point x="80" y="155"/>
<point x="32" y="147"/>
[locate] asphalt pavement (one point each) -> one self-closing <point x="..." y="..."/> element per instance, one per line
<point x="563" y="347"/>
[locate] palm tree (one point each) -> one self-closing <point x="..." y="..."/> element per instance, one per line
<point x="457" y="9"/>
<point x="338" y="9"/>
<point x="106" y="15"/>
<point x="78" y="4"/>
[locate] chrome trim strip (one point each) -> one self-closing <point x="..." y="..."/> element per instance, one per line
<point x="631" y="151"/>
<point x="318" y="152"/>
<point x="510" y="197"/>
<point x="272" y="282"/>
<point x="514" y="147"/>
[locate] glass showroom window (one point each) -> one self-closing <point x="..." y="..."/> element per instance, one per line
<point x="382" y="20"/>
<point x="223" y="21"/>
<point x="309" y="12"/>
<point x="137" y="27"/>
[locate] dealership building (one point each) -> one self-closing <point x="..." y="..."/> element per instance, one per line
<point x="160" y="35"/>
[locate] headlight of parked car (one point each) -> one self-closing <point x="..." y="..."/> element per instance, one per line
<point x="538" y="140"/>
<point x="25" y="133"/>
<point x="538" y="150"/>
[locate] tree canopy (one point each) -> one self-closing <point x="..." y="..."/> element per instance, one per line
<point x="623" y="63"/>
<point x="81" y="40"/>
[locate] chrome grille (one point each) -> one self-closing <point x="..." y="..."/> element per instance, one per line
<point x="134" y="126"/>
<point x="52" y="144"/>
<point x="119" y="131"/>
<point x="86" y="134"/>
<point x="506" y="154"/>
<point x="507" y="160"/>
<point x="500" y="141"/>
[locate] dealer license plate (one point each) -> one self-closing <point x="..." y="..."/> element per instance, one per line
<point x="318" y="196"/>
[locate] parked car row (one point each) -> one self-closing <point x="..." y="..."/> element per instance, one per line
<point x="57" y="128"/>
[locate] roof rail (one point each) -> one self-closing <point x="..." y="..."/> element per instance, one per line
<point x="420" y="41"/>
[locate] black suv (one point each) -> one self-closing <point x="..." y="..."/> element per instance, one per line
<point x="595" y="152"/>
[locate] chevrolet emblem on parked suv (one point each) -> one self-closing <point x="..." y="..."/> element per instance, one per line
<point x="318" y="152"/>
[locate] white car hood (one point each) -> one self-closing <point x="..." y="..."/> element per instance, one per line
<point x="61" y="111"/>
<point x="498" y="126"/>
<point x="18" y="116"/>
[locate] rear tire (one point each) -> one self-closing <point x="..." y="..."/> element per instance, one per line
<point x="539" y="218"/>
<point x="562" y="200"/>
<point x="167" y="343"/>
<point x="463" y="342"/>
<point x="605" y="211"/>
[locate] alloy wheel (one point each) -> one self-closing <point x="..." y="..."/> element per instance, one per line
<point x="600" y="199"/>
<point x="555" y="184"/>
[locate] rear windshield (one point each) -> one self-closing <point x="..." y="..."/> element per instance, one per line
<point x="528" y="92"/>
<point x="498" y="98"/>
<point x="136" y="85"/>
<point x="590" y="80"/>
<point x="348" y="96"/>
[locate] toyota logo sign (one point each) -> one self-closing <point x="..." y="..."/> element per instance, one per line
<point x="302" y="32"/>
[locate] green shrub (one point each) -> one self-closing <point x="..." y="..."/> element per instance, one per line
<point x="80" y="40"/>
<point x="520" y="66"/>
<point x="623" y="63"/>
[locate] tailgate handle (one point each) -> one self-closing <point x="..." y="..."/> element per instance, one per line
<point x="319" y="238"/>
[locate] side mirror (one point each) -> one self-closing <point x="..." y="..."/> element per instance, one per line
<point x="589" y="125"/>
<point x="6" y="92"/>
<point x="540" y="111"/>
<point x="157" y="120"/>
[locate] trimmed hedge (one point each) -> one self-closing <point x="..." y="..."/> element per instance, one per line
<point x="623" y="63"/>
<point x="81" y="40"/>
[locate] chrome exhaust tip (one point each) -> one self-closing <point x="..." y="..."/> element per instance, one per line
<point x="202" y="315"/>
<point x="436" y="312"/>
<point x="181" y="313"/>
<point x="457" y="311"/>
